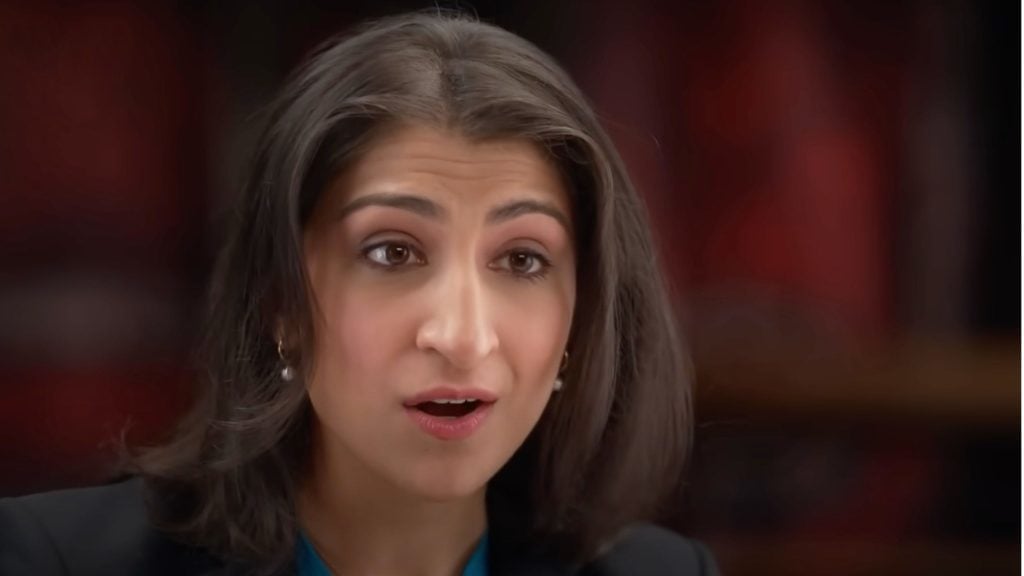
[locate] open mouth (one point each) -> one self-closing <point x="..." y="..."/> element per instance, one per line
<point x="449" y="414"/>
<point x="451" y="409"/>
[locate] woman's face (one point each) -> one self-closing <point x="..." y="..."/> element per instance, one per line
<point x="442" y="270"/>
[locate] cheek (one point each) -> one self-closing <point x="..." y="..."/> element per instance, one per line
<point x="536" y="331"/>
<point x="360" y="335"/>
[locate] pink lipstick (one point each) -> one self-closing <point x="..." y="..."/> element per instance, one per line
<point x="450" y="413"/>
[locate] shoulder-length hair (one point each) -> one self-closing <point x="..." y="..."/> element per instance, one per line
<point x="608" y="448"/>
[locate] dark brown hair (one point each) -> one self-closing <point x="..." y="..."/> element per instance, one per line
<point x="609" y="447"/>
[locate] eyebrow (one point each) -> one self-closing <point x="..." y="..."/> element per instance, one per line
<point x="517" y="208"/>
<point x="428" y="209"/>
<point x="415" y="204"/>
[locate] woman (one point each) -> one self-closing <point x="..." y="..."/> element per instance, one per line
<point x="438" y="343"/>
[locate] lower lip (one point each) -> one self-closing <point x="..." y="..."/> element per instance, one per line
<point x="450" y="428"/>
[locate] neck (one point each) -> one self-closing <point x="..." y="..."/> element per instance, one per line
<point x="359" y="523"/>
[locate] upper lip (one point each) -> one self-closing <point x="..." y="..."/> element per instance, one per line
<point x="449" y="393"/>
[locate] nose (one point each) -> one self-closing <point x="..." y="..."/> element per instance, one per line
<point x="459" y="325"/>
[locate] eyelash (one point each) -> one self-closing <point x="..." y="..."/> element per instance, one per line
<point x="413" y="253"/>
<point x="539" y="274"/>
<point x="542" y="262"/>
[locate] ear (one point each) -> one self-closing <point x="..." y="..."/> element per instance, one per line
<point x="282" y="334"/>
<point x="279" y="329"/>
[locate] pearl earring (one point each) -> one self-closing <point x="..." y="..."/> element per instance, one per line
<point x="287" y="373"/>
<point x="559" y="383"/>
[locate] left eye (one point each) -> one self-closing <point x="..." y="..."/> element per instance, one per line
<point x="523" y="263"/>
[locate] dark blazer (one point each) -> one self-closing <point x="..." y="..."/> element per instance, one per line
<point x="105" y="531"/>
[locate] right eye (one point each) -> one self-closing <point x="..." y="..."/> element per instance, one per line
<point x="392" y="254"/>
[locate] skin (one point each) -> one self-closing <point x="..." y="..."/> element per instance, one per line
<point x="424" y="276"/>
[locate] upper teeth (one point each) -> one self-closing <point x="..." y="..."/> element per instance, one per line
<point x="453" y="401"/>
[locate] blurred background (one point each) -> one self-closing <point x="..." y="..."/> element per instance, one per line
<point x="836" y="193"/>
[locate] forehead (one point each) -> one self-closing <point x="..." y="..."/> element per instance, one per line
<point x="445" y="165"/>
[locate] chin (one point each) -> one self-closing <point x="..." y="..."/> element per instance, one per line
<point x="440" y="483"/>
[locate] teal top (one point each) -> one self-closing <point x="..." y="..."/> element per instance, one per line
<point x="308" y="562"/>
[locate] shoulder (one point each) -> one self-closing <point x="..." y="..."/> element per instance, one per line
<point x="86" y="531"/>
<point x="649" y="550"/>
